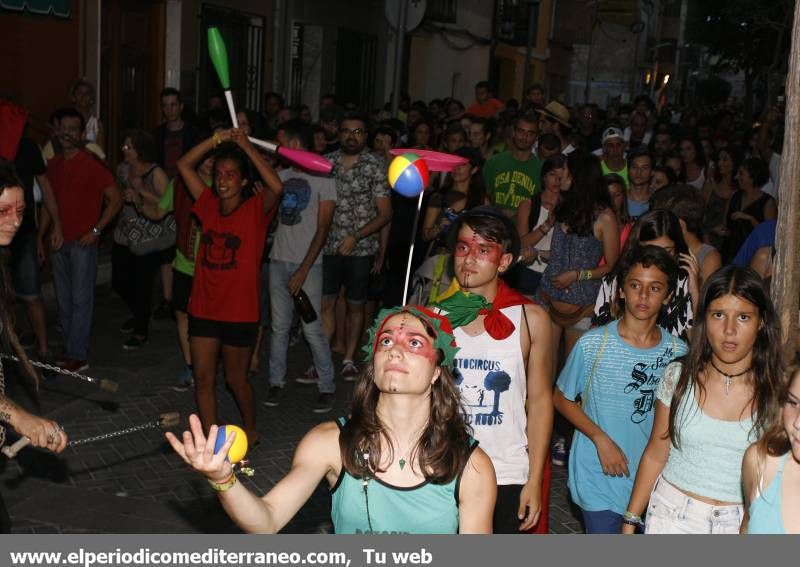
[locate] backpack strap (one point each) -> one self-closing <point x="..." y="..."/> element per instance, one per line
<point x="585" y="395"/>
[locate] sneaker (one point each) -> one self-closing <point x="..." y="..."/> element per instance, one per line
<point x="164" y="311"/>
<point x="185" y="380"/>
<point x="324" y="403"/>
<point x="134" y="343"/>
<point x="128" y="326"/>
<point x="558" y="454"/>
<point x="72" y="365"/>
<point x="349" y="371"/>
<point x="274" y="396"/>
<point x="309" y="376"/>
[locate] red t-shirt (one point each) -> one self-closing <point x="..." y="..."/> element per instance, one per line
<point x="79" y="184"/>
<point x="227" y="273"/>
<point x="487" y="109"/>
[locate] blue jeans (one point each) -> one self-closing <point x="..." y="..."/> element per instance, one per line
<point x="602" y="522"/>
<point x="75" y="275"/>
<point x="282" y="309"/>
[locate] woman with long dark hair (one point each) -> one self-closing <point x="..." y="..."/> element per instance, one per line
<point x="224" y="302"/>
<point x="748" y="207"/>
<point x="717" y="191"/>
<point x="660" y="228"/>
<point x="535" y="221"/>
<point x="710" y="406"/>
<point x="585" y="230"/>
<point x="402" y="462"/>
<point x="42" y="432"/>
<point x="693" y="162"/>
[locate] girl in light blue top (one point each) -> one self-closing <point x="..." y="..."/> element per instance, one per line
<point x="711" y="406"/>
<point x="771" y="470"/>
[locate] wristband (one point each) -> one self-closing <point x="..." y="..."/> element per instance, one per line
<point x="632" y="520"/>
<point x="217" y="139"/>
<point x="225" y="485"/>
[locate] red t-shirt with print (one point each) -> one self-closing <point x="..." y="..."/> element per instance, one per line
<point x="228" y="267"/>
<point x="79" y="185"/>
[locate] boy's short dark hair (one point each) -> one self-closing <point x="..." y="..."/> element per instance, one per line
<point x="491" y="224"/>
<point x="454" y="127"/>
<point x="640" y="152"/>
<point x="296" y="129"/>
<point x="355" y="115"/>
<point x="171" y="91"/>
<point x="69" y="112"/>
<point x="691" y="210"/>
<point x="647" y="256"/>
<point x="387" y="131"/>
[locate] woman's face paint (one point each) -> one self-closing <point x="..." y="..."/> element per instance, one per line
<point x="405" y="360"/>
<point x="399" y="331"/>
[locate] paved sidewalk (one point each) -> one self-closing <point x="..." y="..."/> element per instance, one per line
<point x="135" y="483"/>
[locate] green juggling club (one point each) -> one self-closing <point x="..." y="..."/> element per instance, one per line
<point x="219" y="57"/>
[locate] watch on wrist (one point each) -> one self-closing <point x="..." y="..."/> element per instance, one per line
<point x="96" y="231"/>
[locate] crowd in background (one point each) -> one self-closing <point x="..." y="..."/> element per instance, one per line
<point x="250" y="249"/>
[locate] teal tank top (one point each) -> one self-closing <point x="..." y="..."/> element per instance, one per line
<point x="766" y="512"/>
<point x="382" y="508"/>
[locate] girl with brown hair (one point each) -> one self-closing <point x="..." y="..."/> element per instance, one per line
<point x="402" y="462"/>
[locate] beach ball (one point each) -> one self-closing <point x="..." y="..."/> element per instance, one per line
<point x="239" y="448"/>
<point x="408" y="174"/>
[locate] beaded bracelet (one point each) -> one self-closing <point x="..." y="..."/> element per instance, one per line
<point x="225" y="485"/>
<point x="632" y="519"/>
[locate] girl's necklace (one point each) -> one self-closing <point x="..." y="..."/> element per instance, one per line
<point x="728" y="378"/>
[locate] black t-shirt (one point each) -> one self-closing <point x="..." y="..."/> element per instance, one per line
<point x="29" y="164"/>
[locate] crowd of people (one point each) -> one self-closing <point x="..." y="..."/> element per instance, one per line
<point x="590" y="290"/>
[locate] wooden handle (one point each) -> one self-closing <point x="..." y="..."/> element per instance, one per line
<point x="169" y="419"/>
<point x="11" y="451"/>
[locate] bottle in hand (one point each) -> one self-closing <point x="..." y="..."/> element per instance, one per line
<point x="304" y="307"/>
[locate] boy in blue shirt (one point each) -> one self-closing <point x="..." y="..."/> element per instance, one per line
<point x="607" y="389"/>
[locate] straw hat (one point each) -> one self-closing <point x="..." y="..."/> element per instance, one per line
<point x="556" y="111"/>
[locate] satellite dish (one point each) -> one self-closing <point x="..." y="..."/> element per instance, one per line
<point x="415" y="11"/>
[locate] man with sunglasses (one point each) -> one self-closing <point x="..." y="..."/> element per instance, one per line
<point x="363" y="209"/>
<point x="514" y="175"/>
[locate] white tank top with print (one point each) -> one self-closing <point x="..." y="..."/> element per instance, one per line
<point x="491" y="377"/>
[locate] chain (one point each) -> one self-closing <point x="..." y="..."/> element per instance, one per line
<point x="50" y="368"/>
<point x="119" y="433"/>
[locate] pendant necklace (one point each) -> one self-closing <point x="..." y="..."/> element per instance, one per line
<point x="728" y="378"/>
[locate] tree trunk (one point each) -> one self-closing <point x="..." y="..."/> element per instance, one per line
<point x="786" y="274"/>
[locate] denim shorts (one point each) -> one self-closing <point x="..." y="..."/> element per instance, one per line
<point x="672" y="512"/>
<point x="352" y="272"/>
<point x="25" y="266"/>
